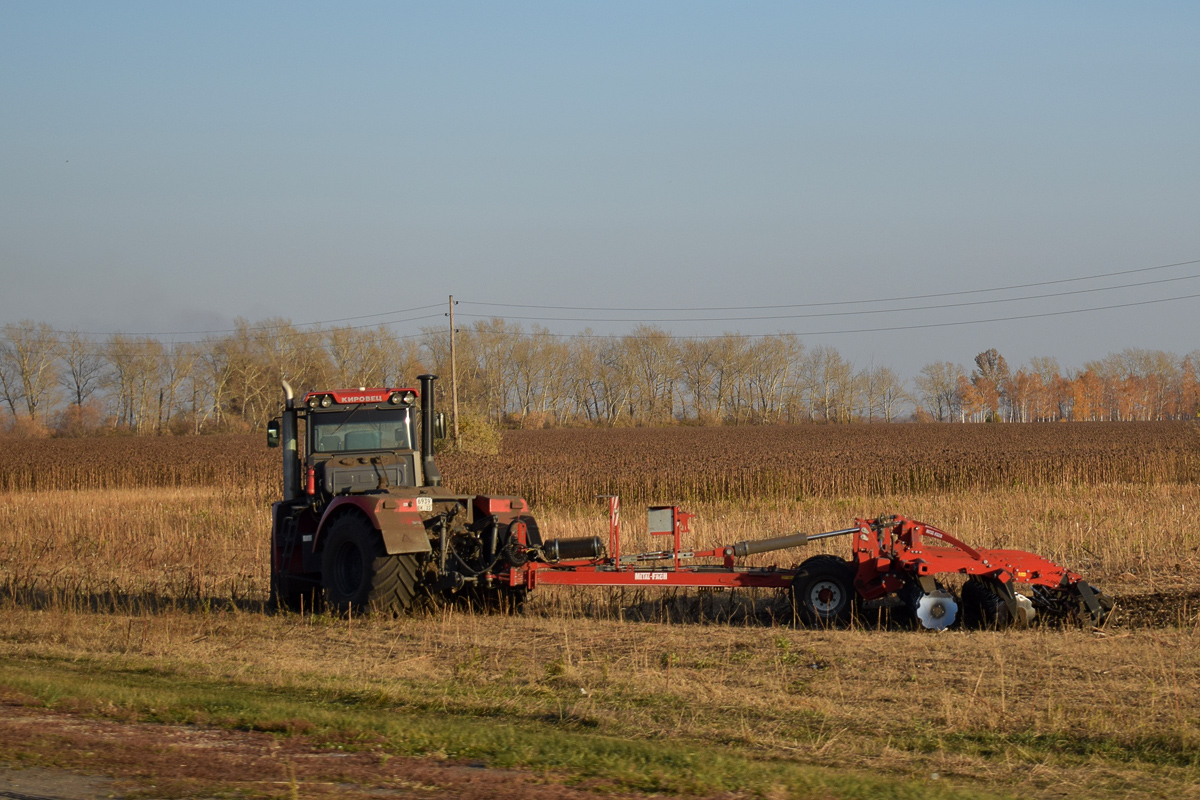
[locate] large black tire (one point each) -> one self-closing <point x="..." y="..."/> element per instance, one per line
<point x="359" y="576"/>
<point x="982" y="607"/>
<point x="823" y="591"/>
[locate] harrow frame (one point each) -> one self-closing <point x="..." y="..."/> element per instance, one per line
<point x="890" y="555"/>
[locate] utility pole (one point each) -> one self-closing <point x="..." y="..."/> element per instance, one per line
<point x="453" y="375"/>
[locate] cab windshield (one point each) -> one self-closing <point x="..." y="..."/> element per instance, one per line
<point x="361" y="429"/>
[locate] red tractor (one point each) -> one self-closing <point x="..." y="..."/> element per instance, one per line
<point x="364" y="523"/>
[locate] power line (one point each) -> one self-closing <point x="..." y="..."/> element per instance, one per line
<point x="300" y="333"/>
<point x="861" y="330"/>
<point x="842" y="302"/>
<point x="297" y="334"/>
<point x="264" y="327"/>
<point x="859" y="313"/>
<point x="292" y="335"/>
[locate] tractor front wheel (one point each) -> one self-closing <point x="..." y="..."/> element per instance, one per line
<point x="358" y="575"/>
<point x="823" y="591"/>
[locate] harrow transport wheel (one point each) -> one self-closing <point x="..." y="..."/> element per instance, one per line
<point x="823" y="591"/>
<point x="982" y="607"/>
<point x="359" y="575"/>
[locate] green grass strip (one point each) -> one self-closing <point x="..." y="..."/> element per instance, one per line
<point x="632" y="764"/>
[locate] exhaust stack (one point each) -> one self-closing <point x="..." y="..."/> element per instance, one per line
<point x="432" y="476"/>
<point x="288" y="436"/>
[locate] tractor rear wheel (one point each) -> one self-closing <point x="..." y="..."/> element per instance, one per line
<point x="359" y="576"/>
<point x="982" y="607"/>
<point x="823" y="591"/>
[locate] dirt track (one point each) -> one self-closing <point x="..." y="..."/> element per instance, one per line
<point x="150" y="760"/>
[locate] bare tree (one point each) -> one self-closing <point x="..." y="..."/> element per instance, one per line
<point x="289" y="353"/>
<point x="10" y="382"/>
<point x="695" y="373"/>
<point x="85" y="364"/>
<point x="650" y="354"/>
<point x="134" y="378"/>
<point x="178" y="363"/>
<point x="937" y="386"/>
<point x="31" y="353"/>
<point x="558" y="375"/>
<point x="489" y="344"/>
<point x="730" y="362"/>
<point x="613" y="387"/>
<point x="771" y="363"/>
<point x="884" y="393"/>
<point x="829" y="379"/>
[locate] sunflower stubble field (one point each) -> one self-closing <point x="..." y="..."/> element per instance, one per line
<point x="149" y="556"/>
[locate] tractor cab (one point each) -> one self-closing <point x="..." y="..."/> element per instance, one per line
<point x="357" y="441"/>
<point x="361" y="440"/>
<point x="352" y="421"/>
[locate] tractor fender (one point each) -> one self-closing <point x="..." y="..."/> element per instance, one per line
<point x="402" y="530"/>
<point x="507" y="510"/>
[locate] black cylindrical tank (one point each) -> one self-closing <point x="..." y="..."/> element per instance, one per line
<point x="587" y="547"/>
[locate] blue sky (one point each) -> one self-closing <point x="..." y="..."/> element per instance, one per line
<point x="169" y="167"/>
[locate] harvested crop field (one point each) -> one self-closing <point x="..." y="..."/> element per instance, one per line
<point x="568" y="466"/>
<point x="133" y="580"/>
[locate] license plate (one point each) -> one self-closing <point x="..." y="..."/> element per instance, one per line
<point x="424" y="504"/>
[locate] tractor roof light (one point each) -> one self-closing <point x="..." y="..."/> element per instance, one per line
<point x="405" y="398"/>
<point x="312" y="401"/>
<point x="326" y="401"/>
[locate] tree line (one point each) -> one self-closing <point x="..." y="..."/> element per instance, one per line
<point x="70" y="383"/>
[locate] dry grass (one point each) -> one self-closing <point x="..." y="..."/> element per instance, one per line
<point x="1040" y="713"/>
<point x="202" y="544"/>
<point x="159" y="543"/>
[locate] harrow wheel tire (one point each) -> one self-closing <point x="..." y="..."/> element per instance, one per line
<point x="823" y="591"/>
<point x="359" y="576"/>
<point x="982" y="607"/>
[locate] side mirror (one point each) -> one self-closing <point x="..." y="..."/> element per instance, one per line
<point x="273" y="433"/>
<point x="439" y="425"/>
